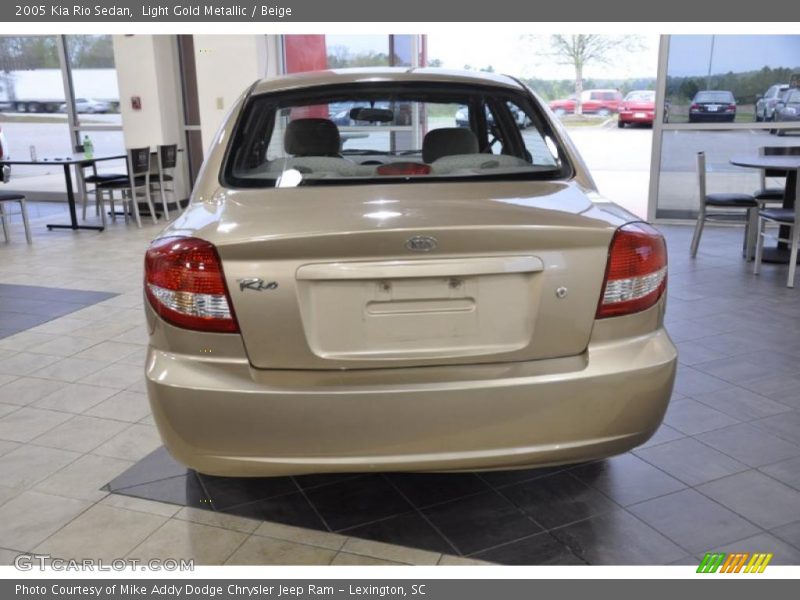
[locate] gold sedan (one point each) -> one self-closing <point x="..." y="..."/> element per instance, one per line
<point x="390" y="270"/>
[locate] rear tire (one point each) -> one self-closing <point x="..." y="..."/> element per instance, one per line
<point x="621" y="124"/>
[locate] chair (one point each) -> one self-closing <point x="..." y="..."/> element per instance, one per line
<point x="166" y="160"/>
<point x="134" y="187"/>
<point x="773" y="194"/>
<point x="744" y="205"/>
<point x="8" y="197"/>
<point x="94" y="178"/>
<point x="781" y="216"/>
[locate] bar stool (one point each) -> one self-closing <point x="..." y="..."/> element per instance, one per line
<point x="9" y="197"/>
<point x="166" y="160"/>
<point x="773" y="194"/>
<point x="724" y="200"/>
<point x="134" y="187"/>
<point x="786" y="217"/>
<point x="87" y="174"/>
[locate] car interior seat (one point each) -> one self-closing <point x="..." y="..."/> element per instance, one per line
<point x="448" y="141"/>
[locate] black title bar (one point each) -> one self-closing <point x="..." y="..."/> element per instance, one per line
<point x="276" y="11"/>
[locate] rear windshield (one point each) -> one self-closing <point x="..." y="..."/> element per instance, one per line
<point x="643" y="96"/>
<point x="714" y="97"/>
<point x="369" y="133"/>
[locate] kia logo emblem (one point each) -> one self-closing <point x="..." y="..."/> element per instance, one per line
<point x="422" y="243"/>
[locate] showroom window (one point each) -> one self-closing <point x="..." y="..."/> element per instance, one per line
<point x="54" y="91"/>
<point x="32" y="107"/>
<point x="724" y="95"/>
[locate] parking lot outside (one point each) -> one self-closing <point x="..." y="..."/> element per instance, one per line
<point x="608" y="152"/>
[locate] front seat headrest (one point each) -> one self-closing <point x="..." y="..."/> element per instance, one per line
<point x="312" y="137"/>
<point x="448" y="141"/>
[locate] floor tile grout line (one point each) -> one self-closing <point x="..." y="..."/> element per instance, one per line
<point x="148" y="536"/>
<point x="533" y="535"/>
<point x="423" y="516"/>
<point x="751" y="419"/>
<point x="322" y="519"/>
<point x="772" y="532"/>
<point x="755" y="467"/>
<point x="686" y="483"/>
<point x="749" y="520"/>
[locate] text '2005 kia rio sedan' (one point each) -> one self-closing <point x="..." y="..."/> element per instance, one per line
<point x="399" y="293"/>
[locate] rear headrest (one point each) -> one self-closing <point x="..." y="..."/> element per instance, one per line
<point x="448" y="141"/>
<point x="312" y="137"/>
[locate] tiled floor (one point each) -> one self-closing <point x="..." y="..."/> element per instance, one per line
<point x="722" y="473"/>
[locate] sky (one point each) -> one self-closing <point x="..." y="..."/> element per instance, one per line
<point x="689" y="54"/>
<point x="519" y="55"/>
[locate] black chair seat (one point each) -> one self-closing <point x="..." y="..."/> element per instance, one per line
<point x="125" y="182"/>
<point x="116" y="184"/>
<point x="769" y="194"/>
<point x="731" y="200"/>
<point x="783" y="215"/>
<point x="9" y="196"/>
<point x="101" y="178"/>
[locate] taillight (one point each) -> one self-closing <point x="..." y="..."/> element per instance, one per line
<point x="731" y="107"/>
<point x="694" y="107"/>
<point x="636" y="273"/>
<point x="185" y="285"/>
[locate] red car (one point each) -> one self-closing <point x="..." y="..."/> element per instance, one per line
<point x="639" y="106"/>
<point x="595" y="102"/>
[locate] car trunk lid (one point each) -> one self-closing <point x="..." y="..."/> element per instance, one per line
<point x="413" y="274"/>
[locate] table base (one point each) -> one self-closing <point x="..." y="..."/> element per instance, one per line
<point x="76" y="227"/>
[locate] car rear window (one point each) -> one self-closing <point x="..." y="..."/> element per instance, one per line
<point x="640" y="97"/>
<point x="391" y="133"/>
<point x="714" y="97"/>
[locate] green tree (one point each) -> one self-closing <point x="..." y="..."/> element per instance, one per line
<point x="583" y="50"/>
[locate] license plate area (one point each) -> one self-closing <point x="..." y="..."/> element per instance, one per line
<point x="430" y="317"/>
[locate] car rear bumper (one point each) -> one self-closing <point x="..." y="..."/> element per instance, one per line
<point x="636" y="116"/>
<point x="711" y="117"/>
<point x="222" y="417"/>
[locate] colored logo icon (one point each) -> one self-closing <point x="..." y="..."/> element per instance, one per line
<point x="737" y="562"/>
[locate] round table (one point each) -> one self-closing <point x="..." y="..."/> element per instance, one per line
<point x="790" y="164"/>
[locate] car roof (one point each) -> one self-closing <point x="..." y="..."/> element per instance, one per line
<point x="383" y="74"/>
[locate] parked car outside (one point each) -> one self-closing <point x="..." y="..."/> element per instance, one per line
<point x="788" y="108"/>
<point x="765" y="105"/>
<point x="594" y="102"/>
<point x="638" y="107"/>
<point x="448" y="299"/>
<point x="712" y="106"/>
<point x="88" y="105"/>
